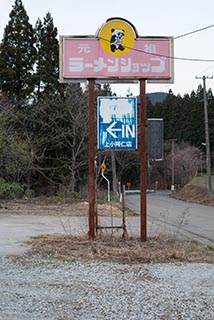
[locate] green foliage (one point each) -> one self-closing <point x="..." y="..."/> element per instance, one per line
<point x="47" y="67"/>
<point x="10" y="190"/>
<point x="184" y="117"/>
<point x="18" y="54"/>
<point x="29" y="58"/>
<point x="44" y="144"/>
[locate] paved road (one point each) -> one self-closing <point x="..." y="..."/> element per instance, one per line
<point x="175" y="217"/>
<point x="166" y="217"/>
<point x="15" y="229"/>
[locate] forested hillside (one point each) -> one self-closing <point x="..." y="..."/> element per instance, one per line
<point x="184" y="116"/>
<point x="155" y="97"/>
<point x="44" y="124"/>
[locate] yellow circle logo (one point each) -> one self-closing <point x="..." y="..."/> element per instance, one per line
<point x="117" y="37"/>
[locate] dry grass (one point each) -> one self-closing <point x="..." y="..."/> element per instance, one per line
<point x="196" y="192"/>
<point x="120" y="251"/>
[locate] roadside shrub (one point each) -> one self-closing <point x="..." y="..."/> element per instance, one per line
<point x="10" y="190"/>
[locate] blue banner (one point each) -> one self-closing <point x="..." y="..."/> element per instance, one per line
<point x="117" y="123"/>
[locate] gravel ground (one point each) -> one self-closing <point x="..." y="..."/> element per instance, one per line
<point x="36" y="288"/>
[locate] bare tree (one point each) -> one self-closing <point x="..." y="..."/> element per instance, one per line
<point x="186" y="163"/>
<point x="56" y="130"/>
<point x="16" y="162"/>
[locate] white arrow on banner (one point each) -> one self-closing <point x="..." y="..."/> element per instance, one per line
<point x="111" y="129"/>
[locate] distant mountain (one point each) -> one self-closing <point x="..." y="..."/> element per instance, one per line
<point x="155" y="97"/>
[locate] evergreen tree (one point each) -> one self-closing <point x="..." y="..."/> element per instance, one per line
<point x="168" y="109"/>
<point x="184" y="122"/>
<point x="174" y="123"/>
<point x="198" y="117"/>
<point x="211" y="122"/>
<point x="47" y="57"/>
<point x="18" y="54"/>
<point x="149" y="108"/>
<point x="37" y="76"/>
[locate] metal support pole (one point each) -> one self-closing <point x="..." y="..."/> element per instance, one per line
<point x="125" y="234"/>
<point x="143" y="161"/>
<point x="173" y="166"/>
<point x="91" y="191"/>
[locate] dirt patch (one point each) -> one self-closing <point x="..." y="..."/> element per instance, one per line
<point x="117" y="250"/>
<point x="57" y="207"/>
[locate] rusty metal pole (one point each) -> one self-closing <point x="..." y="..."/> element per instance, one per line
<point x="143" y="214"/>
<point x="125" y="234"/>
<point x="91" y="191"/>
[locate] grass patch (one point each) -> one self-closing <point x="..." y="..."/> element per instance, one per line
<point x="155" y="250"/>
<point x="201" y="181"/>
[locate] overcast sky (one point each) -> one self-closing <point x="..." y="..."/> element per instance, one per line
<point x="151" y="18"/>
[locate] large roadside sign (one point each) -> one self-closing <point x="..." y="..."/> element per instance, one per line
<point x="117" y="123"/>
<point x="115" y="53"/>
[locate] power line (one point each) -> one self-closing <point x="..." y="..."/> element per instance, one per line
<point x="195" y="31"/>
<point x="178" y="37"/>
<point x="156" y="54"/>
<point x="164" y="56"/>
<point x="173" y="57"/>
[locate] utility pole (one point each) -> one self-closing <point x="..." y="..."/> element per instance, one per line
<point x="209" y="181"/>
